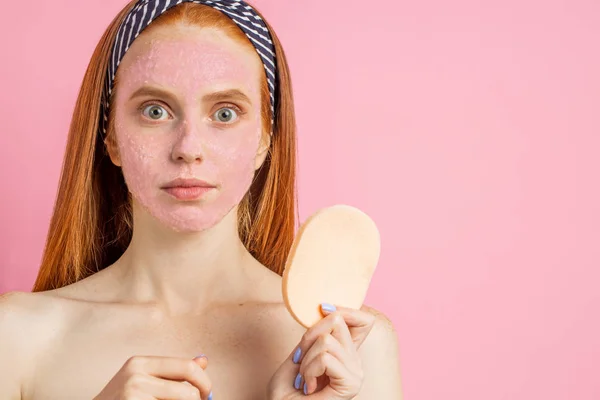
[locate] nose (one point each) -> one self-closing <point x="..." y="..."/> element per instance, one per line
<point x="189" y="143"/>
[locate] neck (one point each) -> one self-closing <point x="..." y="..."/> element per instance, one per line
<point x="184" y="271"/>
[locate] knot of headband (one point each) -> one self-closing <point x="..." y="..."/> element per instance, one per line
<point x="146" y="11"/>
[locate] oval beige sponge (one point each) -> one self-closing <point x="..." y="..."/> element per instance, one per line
<point x="332" y="260"/>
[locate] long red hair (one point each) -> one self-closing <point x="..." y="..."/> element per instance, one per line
<point x="91" y="225"/>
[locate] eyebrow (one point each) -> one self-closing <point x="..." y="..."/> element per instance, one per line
<point x="230" y="94"/>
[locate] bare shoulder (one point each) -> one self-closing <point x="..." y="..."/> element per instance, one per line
<point x="382" y="342"/>
<point x="383" y="329"/>
<point x="381" y="359"/>
<point x="26" y="318"/>
<point x="20" y="311"/>
<point x="25" y="321"/>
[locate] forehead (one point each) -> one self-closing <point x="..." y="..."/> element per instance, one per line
<point x="191" y="57"/>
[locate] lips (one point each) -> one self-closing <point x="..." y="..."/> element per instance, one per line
<point x="188" y="189"/>
<point x="187" y="183"/>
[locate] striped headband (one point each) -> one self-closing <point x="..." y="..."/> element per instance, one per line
<point x="146" y="11"/>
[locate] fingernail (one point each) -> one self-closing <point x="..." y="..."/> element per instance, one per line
<point x="201" y="356"/>
<point x="298" y="381"/>
<point x="297" y="355"/>
<point x="329" y="308"/>
<point x="305" y="388"/>
<point x="209" y="396"/>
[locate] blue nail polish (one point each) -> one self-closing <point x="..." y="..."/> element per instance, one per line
<point x="297" y="355"/>
<point x="298" y="381"/>
<point x="305" y="388"/>
<point x="328" y="307"/>
<point x="209" y="396"/>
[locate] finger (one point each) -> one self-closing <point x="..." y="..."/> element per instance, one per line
<point x="354" y="318"/>
<point x="161" y="388"/>
<point x="173" y="369"/>
<point x="326" y="344"/>
<point x="332" y="324"/>
<point x="324" y="364"/>
<point x="202" y="361"/>
<point x="359" y="322"/>
<point x="341" y="331"/>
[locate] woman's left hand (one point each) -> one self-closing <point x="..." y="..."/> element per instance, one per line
<point x="326" y="364"/>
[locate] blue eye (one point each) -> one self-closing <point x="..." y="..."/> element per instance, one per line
<point x="155" y="112"/>
<point x="225" y="114"/>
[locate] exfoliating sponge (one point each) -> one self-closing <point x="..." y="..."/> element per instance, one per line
<point x="332" y="260"/>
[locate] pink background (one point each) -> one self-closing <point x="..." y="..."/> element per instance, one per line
<point x="468" y="130"/>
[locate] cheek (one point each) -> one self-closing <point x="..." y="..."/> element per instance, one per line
<point x="142" y="156"/>
<point x="234" y="156"/>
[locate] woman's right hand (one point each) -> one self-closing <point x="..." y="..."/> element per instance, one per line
<point x="153" y="377"/>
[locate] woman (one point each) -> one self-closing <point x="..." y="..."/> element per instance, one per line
<point x="174" y="216"/>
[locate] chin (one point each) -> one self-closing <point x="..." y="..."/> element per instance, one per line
<point x="192" y="225"/>
<point x="191" y="220"/>
<point x="188" y="228"/>
<point x="190" y="217"/>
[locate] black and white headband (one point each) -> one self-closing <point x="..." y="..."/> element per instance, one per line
<point x="146" y="11"/>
